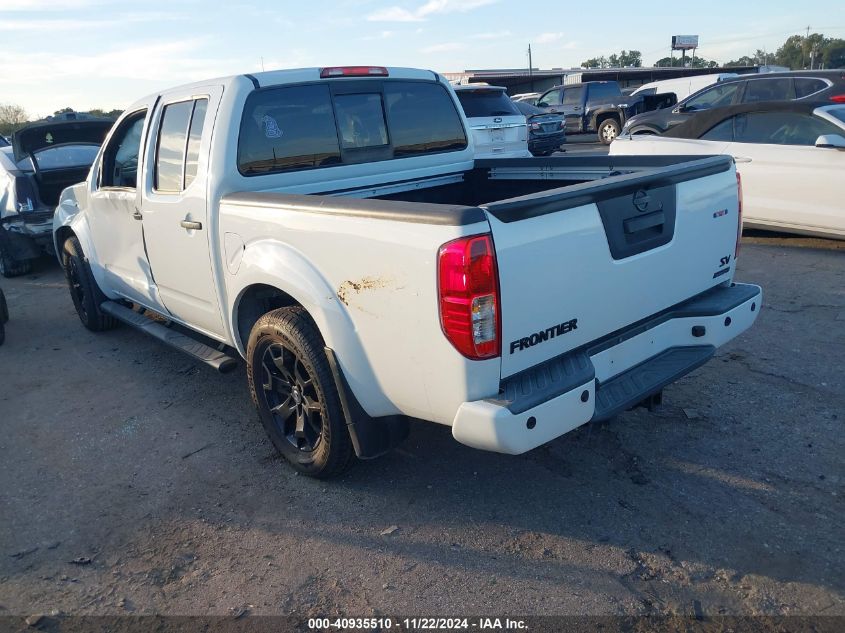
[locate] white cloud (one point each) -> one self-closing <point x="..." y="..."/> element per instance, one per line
<point x="432" y="7"/>
<point x="383" y="35"/>
<point x="491" y="36"/>
<point x="52" y="5"/>
<point x="548" y="38"/>
<point x="444" y="48"/>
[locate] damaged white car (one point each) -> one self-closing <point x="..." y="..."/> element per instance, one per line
<point x="42" y="160"/>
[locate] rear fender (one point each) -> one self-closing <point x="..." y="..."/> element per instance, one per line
<point x="273" y="263"/>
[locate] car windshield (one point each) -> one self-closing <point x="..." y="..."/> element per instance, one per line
<point x="62" y="156"/>
<point x="485" y="103"/>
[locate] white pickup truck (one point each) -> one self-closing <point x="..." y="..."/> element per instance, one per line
<point x="332" y="227"/>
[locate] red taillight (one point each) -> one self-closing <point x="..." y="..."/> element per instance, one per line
<point x="353" y="71"/>
<point x="469" y="296"/>
<point x="838" y="98"/>
<point x="739" y="214"/>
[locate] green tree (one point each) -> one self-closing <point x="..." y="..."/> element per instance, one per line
<point x="623" y="59"/>
<point x="12" y="118"/>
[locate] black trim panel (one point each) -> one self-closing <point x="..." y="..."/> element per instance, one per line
<point x="561" y="374"/>
<point x="254" y="80"/>
<point x="411" y="212"/>
<point x="593" y="192"/>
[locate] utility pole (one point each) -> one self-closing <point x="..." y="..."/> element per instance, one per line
<point x="530" y="68"/>
<point x="806" y="40"/>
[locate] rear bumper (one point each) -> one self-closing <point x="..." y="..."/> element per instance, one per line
<point x="607" y="376"/>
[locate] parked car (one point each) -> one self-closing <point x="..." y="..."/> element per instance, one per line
<point x="44" y="158"/>
<point x="598" y="106"/>
<point x="546" y="131"/>
<point x="498" y="127"/>
<point x="682" y="87"/>
<point x="807" y="85"/>
<point x="4" y="316"/>
<point x="791" y="155"/>
<point x="368" y="282"/>
<point x="527" y="97"/>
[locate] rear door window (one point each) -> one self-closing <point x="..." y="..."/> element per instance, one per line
<point x="486" y="103"/>
<point x="779" y="89"/>
<point x="572" y="96"/>
<point x="179" y="138"/>
<point x="604" y="91"/>
<point x="305" y="127"/>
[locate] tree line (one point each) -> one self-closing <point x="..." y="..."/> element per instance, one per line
<point x="797" y="52"/>
<point x="13" y="117"/>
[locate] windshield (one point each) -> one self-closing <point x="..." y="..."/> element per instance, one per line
<point x="486" y="103"/>
<point x="62" y="156"/>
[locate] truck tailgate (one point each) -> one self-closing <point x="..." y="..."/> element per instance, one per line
<point x="578" y="263"/>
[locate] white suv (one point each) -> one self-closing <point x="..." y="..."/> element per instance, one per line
<point x="498" y="127"/>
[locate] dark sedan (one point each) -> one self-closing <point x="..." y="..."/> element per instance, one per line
<point x="799" y="85"/>
<point x="546" y="131"/>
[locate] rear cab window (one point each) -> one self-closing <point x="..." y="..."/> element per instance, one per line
<point x="308" y="126"/>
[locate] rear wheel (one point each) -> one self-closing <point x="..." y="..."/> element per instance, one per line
<point x="608" y="130"/>
<point x="86" y="295"/>
<point x="295" y="393"/>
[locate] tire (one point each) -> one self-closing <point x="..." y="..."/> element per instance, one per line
<point x="84" y="291"/>
<point x="2" y="333"/>
<point x="9" y="266"/>
<point x="608" y="131"/>
<point x="4" y="308"/>
<point x="295" y="393"/>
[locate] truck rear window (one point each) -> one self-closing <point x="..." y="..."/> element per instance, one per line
<point x="486" y="103"/>
<point x="305" y="127"/>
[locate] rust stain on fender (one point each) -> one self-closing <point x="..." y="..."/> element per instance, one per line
<point x="349" y="288"/>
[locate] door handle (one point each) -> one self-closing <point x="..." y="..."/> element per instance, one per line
<point x="742" y="159"/>
<point x="137" y="215"/>
<point x="188" y="224"/>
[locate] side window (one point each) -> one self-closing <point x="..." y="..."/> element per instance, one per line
<point x="120" y="158"/>
<point x="767" y="90"/>
<point x="603" y="91"/>
<point x="781" y="128"/>
<point x="177" y="152"/>
<point x="551" y="98"/>
<point x="720" y="132"/>
<point x="806" y="86"/>
<point x="572" y="96"/>
<point x="718" y="95"/>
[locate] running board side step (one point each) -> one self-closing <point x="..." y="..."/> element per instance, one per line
<point x="220" y="361"/>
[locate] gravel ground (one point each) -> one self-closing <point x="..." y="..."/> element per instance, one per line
<point x="135" y="481"/>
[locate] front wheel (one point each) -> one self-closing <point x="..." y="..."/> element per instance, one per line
<point x="84" y="291"/>
<point x="295" y="394"/>
<point x="608" y="131"/>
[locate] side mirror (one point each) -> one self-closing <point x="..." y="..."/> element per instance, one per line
<point x="831" y="141"/>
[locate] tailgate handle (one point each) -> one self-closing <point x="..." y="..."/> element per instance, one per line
<point x="635" y="225"/>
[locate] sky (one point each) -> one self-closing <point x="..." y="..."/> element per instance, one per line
<point x="108" y="53"/>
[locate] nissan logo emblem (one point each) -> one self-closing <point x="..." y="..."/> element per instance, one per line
<point x="641" y="200"/>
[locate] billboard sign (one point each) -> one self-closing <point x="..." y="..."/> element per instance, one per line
<point x="684" y="42"/>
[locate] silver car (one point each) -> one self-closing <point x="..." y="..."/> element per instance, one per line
<point x="42" y="159"/>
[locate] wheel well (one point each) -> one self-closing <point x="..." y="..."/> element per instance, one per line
<point x="604" y="116"/>
<point x="62" y="235"/>
<point x="256" y="301"/>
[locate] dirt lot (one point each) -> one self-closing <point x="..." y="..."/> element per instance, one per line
<point x="135" y="481"/>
